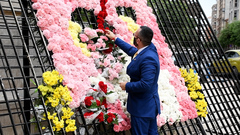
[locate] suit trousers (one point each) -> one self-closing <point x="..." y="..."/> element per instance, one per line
<point x="144" y="125"/>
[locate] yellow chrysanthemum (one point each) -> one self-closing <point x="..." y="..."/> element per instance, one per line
<point x="50" y="79"/>
<point x="183" y="72"/>
<point x="193" y="95"/>
<point x="200" y="95"/>
<point x="86" y="52"/>
<point x="201" y="103"/>
<point x="75" y="29"/>
<point x="50" y="117"/>
<point x="202" y="113"/>
<point x="198" y="86"/>
<point x="132" y="26"/>
<point x="47" y="74"/>
<point x="54" y="102"/>
<point x="70" y="128"/>
<point x="59" y="125"/>
<point x="193" y="85"/>
<point x="55" y="72"/>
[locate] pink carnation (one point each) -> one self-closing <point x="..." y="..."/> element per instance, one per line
<point x="84" y="37"/>
<point x="104" y="37"/>
<point x="90" y="33"/>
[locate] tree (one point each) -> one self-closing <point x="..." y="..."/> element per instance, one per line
<point x="230" y="35"/>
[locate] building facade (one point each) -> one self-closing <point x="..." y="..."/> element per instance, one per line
<point x="214" y="18"/>
<point x="224" y="13"/>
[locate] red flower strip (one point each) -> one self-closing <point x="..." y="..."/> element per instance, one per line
<point x="102" y="15"/>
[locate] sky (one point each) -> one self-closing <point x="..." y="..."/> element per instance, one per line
<point x="207" y="6"/>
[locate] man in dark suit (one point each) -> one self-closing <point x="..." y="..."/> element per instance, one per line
<point x="143" y="100"/>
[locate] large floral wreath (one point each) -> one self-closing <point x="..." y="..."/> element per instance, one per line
<point x="82" y="66"/>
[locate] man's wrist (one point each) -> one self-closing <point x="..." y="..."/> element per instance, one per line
<point x="114" y="38"/>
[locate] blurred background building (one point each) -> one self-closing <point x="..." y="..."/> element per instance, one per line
<point x="224" y="12"/>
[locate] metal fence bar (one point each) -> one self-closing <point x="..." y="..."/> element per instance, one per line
<point x="19" y="100"/>
<point x="205" y="69"/>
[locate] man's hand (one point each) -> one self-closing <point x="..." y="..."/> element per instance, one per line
<point x="123" y="85"/>
<point x="110" y="34"/>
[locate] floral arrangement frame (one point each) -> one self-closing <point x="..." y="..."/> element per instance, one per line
<point x="74" y="60"/>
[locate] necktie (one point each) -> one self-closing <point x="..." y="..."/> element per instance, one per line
<point x="135" y="55"/>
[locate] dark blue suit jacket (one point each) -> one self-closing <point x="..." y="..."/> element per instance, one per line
<point x="143" y="98"/>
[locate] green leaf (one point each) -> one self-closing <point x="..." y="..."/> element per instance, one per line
<point x="32" y="81"/>
<point x="93" y="106"/>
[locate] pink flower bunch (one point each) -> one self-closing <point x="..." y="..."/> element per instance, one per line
<point x="125" y="120"/>
<point x="84" y="37"/>
<point x="114" y="72"/>
<point x="90" y="33"/>
<point x="53" y="13"/>
<point x="188" y="107"/>
<point x="68" y="59"/>
<point x="95" y="39"/>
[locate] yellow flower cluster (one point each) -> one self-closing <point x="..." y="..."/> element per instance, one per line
<point x="194" y="90"/>
<point x="75" y="29"/>
<point x="132" y="26"/>
<point x="52" y="78"/>
<point x="57" y="96"/>
<point x="71" y="125"/>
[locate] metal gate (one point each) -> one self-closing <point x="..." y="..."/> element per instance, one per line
<point x="24" y="57"/>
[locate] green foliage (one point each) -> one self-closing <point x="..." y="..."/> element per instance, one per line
<point x="230" y="35"/>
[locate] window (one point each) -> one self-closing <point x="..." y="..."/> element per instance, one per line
<point x="215" y="16"/>
<point x="235" y="15"/>
<point x="235" y="55"/>
<point x="232" y="55"/>
<point x="236" y="3"/>
<point x="215" y="32"/>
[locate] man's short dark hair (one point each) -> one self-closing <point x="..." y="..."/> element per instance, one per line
<point x="146" y="35"/>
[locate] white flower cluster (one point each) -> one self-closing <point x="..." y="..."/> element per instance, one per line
<point x="169" y="105"/>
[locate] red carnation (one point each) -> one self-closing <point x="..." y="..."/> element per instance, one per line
<point x="103" y="87"/>
<point x="100" y="117"/>
<point x="107" y="51"/>
<point x="104" y="102"/>
<point x="98" y="102"/>
<point x="110" y="117"/>
<point x="101" y="14"/>
<point x="87" y="114"/>
<point x="100" y="20"/>
<point x="88" y="101"/>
